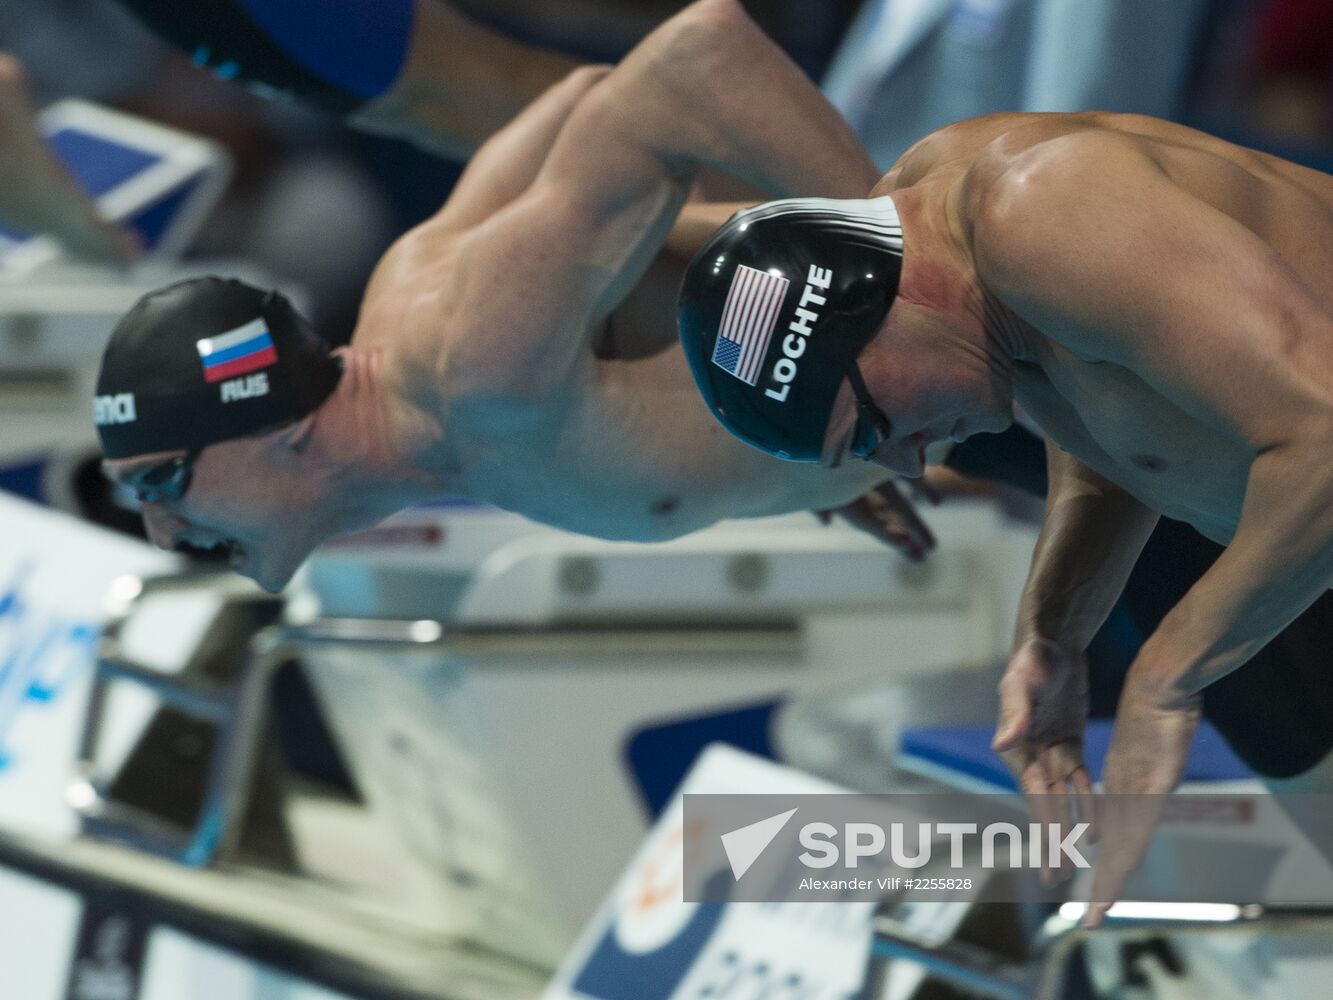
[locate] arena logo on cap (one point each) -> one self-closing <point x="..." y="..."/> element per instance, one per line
<point x="117" y="409"/>
<point x="748" y="319"/>
<point x="246" y="349"/>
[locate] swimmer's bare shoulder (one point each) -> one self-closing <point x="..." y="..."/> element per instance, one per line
<point x="446" y="299"/>
<point x="396" y="301"/>
<point x="957" y="148"/>
<point x="1035" y="193"/>
<point x="416" y="320"/>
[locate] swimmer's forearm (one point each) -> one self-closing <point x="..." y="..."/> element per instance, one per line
<point x="509" y="161"/>
<point x="462" y="82"/>
<point x="1091" y="538"/>
<point x="697" y="221"/>
<point x="712" y="89"/>
<point x="1278" y="563"/>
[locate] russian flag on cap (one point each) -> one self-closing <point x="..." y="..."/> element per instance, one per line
<point x="236" y="352"/>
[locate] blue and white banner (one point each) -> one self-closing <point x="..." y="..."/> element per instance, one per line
<point x="55" y="573"/>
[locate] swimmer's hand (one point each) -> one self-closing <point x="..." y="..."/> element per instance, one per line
<point x="1043" y="711"/>
<point x="1154" y="729"/>
<point x="38" y="194"/>
<point x="888" y="516"/>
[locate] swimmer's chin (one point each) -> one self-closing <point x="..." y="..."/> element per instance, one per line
<point x="270" y="578"/>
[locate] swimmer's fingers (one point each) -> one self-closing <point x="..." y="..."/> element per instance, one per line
<point x="1149" y="750"/>
<point x="1039" y="736"/>
<point x="1089" y="806"/>
<point x="1012" y="740"/>
<point x="1046" y="804"/>
<point x="924" y="489"/>
<point x="1017" y="690"/>
<point x="1070" y="785"/>
<point x="889" y="519"/>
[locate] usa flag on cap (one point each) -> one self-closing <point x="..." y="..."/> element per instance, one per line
<point x="245" y="349"/>
<point x="748" y="318"/>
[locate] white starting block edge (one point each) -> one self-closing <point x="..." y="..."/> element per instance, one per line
<point x="50" y="895"/>
<point x="503" y="568"/>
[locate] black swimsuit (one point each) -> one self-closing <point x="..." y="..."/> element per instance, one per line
<point x="1276" y="711"/>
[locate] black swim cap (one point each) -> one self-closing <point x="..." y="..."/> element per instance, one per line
<point x="776" y="308"/>
<point x="204" y="361"/>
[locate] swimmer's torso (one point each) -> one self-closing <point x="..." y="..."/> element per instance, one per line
<point x="622" y="449"/>
<point x="1108" y="417"/>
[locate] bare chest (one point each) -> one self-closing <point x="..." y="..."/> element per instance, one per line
<point x="577" y="467"/>
<point x="1119" y="426"/>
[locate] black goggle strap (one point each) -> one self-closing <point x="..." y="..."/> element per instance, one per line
<point x="872" y="426"/>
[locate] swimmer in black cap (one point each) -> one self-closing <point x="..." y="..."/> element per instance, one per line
<point x="206" y="362"/>
<point x="472" y="371"/>
<point x="1160" y="302"/>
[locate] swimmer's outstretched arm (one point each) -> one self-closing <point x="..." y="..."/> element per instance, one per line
<point x="707" y="88"/>
<point x="536" y="278"/>
<point x="1091" y="537"/>
<point x="416" y="69"/>
<point x="1092" y="242"/>
<point x="510" y="161"/>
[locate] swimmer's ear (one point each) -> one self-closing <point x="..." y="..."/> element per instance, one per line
<point x="298" y="435"/>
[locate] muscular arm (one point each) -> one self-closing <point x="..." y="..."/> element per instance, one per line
<point x="705" y="89"/>
<point x="1091" y="538"/>
<point x="539" y="276"/>
<point x="1095" y="243"/>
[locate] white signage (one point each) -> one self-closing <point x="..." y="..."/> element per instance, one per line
<point x="55" y="572"/>
<point x="647" y="944"/>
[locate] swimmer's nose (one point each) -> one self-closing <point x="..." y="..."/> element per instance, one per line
<point x="163" y="527"/>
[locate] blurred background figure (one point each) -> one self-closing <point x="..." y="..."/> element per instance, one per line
<point x="907" y="67"/>
<point x="1293" y="63"/>
<point x="37" y="194"/>
<point x="1265" y="77"/>
<point x="304" y="204"/>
